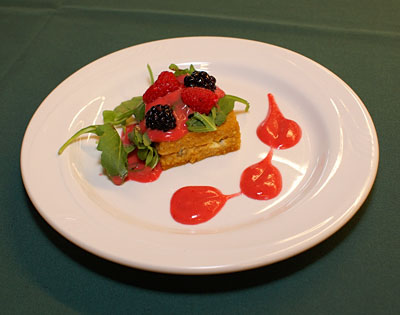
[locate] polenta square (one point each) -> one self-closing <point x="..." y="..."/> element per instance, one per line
<point x="196" y="146"/>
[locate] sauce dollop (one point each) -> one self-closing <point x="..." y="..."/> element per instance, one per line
<point x="261" y="181"/>
<point x="197" y="204"/>
<point x="277" y="131"/>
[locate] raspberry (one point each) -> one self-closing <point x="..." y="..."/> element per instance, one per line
<point x="165" y="83"/>
<point x="199" y="99"/>
<point x="200" y="79"/>
<point x="160" y="117"/>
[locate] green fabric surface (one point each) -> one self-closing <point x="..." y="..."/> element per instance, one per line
<point x="356" y="271"/>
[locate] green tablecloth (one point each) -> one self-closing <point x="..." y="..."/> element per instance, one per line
<point x="356" y="271"/>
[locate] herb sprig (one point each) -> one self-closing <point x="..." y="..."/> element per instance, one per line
<point x="121" y="114"/>
<point x="114" y="153"/>
<point x="178" y="71"/>
<point x="146" y="152"/>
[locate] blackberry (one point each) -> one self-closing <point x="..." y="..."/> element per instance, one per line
<point x="160" y="117"/>
<point x="200" y="79"/>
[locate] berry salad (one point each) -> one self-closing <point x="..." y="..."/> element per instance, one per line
<point x="178" y="102"/>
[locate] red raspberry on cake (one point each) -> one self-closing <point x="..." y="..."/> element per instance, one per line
<point x="199" y="99"/>
<point x="165" y="83"/>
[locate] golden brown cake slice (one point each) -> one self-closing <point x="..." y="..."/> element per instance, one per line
<point x="196" y="146"/>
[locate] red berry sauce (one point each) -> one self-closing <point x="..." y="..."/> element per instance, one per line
<point x="197" y="204"/>
<point x="276" y="131"/>
<point x="261" y="181"/>
<point x="181" y="112"/>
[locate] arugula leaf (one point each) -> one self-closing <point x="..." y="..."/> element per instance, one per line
<point x="201" y="123"/>
<point x="225" y="106"/>
<point x="114" y="154"/>
<point x="90" y="129"/>
<point x="178" y="71"/>
<point x="150" y="73"/>
<point x="125" y="110"/>
<point x="220" y="117"/>
<point x="139" y="112"/>
<point x="228" y="101"/>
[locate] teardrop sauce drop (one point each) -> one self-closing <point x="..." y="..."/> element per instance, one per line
<point x="261" y="181"/>
<point x="277" y="131"/>
<point x="197" y="204"/>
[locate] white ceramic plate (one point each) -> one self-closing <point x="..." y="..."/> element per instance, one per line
<point x="326" y="176"/>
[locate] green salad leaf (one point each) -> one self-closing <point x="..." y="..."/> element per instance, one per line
<point x="124" y="111"/>
<point x="114" y="153"/>
<point x="201" y="123"/>
<point x="89" y="129"/>
<point x="226" y="105"/>
<point x="178" y="71"/>
<point x="150" y="74"/>
<point x="114" y="156"/>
